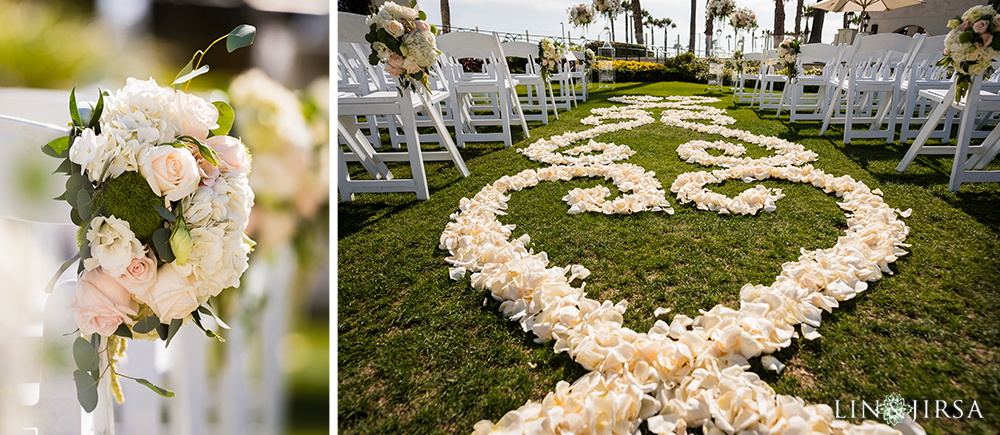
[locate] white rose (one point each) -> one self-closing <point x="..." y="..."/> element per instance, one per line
<point x="395" y="28"/>
<point x="172" y="297"/>
<point x="89" y="151"/>
<point x="409" y="13"/>
<point x="232" y="154"/>
<point x="171" y="172"/>
<point x="411" y="65"/>
<point x="112" y="245"/>
<point x="197" y="116"/>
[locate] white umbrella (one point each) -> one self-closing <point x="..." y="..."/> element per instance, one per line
<point x="865" y="5"/>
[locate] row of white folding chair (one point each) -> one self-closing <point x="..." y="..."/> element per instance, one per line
<point x="741" y="91"/>
<point x="535" y="87"/>
<point x="794" y="96"/>
<point x="868" y="86"/>
<point x="494" y="84"/>
<point x="401" y="104"/>
<point x="965" y="168"/>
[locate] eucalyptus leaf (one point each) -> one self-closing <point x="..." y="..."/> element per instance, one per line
<point x="226" y="117"/>
<point x="196" y="317"/>
<point x="175" y="325"/>
<point x="159" y="390"/>
<point x="74" y="111"/>
<point x="187" y="77"/>
<point x="146" y="324"/>
<point x="165" y="213"/>
<point x="123" y="331"/>
<point x="161" y="242"/>
<point x="64" y="168"/>
<point x="86" y="390"/>
<point x="57" y="147"/>
<point x="162" y="330"/>
<point x="240" y="37"/>
<point x="75" y="218"/>
<point x="85" y="354"/>
<point x="83" y="204"/>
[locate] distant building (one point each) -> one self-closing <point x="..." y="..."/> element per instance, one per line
<point x="931" y="17"/>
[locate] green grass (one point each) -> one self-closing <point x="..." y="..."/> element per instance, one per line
<point x="419" y="353"/>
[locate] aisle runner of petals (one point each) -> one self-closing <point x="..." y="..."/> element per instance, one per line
<point x="691" y="372"/>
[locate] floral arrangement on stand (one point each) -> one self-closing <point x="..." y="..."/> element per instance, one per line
<point x="589" y="58"/>
<point x="162" y="199"/>
<point x="743" y="18"/>
<point x="788" y="51"/>
<point x="551" y="54"/>
<point x="608" y="8"/>
<point x="402" y="39"/>
<point x="972" y="45"/>
<point x="721" y="9"/>
<point x="581" y="15"/>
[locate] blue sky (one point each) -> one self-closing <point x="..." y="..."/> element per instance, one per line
<point x="543" y="17"/>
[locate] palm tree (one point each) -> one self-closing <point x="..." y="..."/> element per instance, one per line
<point x="626" y="8"/>
<point x="709" y="26"/>
<point x="798" y="19"/>
<point x="445" y="16"/>
<point x="692" y="32"/>
<point x="665" y="23"/>
<point x="779" y="21"/>
<point x="807" y="13"/>
<point x="637" y="21"/>
<point x="817" y="28"/>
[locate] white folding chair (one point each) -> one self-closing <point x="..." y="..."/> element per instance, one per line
<point x="563" y="76"/>
<point x="535" y="98"/>
<point x="581" y="75"/>
<point x="401" y="103"/>
<point x="924" y="73"/>
<point x="866" y="88"/>
<point x="794" y="97"/>
<point x="493" y="85"/>
<point x="765" y="95"/>
<point x="965" y="168"/>
<point x="740" y="88"/>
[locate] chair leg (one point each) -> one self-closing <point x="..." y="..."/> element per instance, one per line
<point x="928" y="128"/>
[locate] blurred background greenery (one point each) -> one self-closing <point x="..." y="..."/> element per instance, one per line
<point x="280" y="90"/>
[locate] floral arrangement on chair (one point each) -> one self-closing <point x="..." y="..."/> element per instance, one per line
<point x="737" y="60"/>
<point x="581" y="15"/>
<point x="551" y="54"/>
<point x="162" y="199"/>
<point x="972" y="45"/>
<point x="788" y="51"/>
<point x="720" y="9"/>
<point x="743" y="18"/>
<point x="402" y="39"/>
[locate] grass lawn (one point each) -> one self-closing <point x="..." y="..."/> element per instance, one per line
<point x="418" y="353"/>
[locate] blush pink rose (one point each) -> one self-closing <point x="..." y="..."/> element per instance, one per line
<point x="101" y="303"/>
<point x="233" y="157"/>
<point x="980" y="26"/>
<point x="172" y="296"/>
<point x="171" y="172"/>
<point x="422" y="26"/>
<point x="410" y="13"/>
<point x="411" y="66"/>
<point x="394" y="65"/>
<point x="140" y="275"/>
<point x="964" y="26"/>
<point x="987" y="39"/>
<point x="996" y="19"/>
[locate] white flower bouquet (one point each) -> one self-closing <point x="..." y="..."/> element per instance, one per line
<point x="550" y="53"/>
<point x="720" y="9"/>
<point x="162" y="199"/>
<point x="972" y="45"/>
<point x="589" y="58"/>
<point x="743" y="18"/>
<point x="788" y="51"/>
<point x="581" y="15"/>
<point x="404" y="41"/>
<point x="608" y="8"/>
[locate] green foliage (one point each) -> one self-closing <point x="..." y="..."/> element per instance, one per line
<point x="86" y="390"/>
<point x="129" y="197"/>
<point x="85" y="354"/>
<point x="226" y="117"/>
<point x="240" y="37"/>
